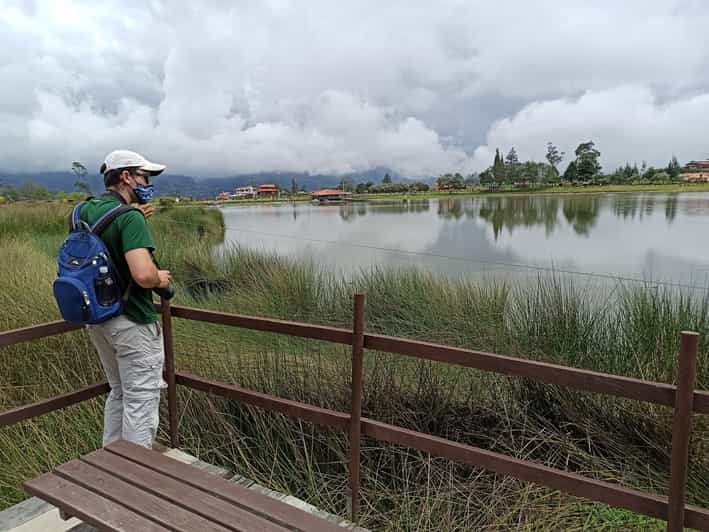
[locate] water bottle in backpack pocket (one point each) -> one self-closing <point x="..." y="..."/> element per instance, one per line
<point x="107" y="287"/>
<point x="88" y="288"/>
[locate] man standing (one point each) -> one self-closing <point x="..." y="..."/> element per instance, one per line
<point x="130" y="345"/>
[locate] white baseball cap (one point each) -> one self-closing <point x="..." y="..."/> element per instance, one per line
<point x="129" y="159"/>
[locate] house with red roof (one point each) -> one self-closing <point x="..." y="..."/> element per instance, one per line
<point x="696" y="172"/>
<point x="330" y="194"/>
<point x="268" y="189"/>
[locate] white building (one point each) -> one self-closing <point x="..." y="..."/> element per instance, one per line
<point x="244" y="192"/>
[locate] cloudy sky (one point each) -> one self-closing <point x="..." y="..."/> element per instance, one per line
<point x="227" y="87"/>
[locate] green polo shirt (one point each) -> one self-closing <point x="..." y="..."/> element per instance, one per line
<point x="128" y="231"/>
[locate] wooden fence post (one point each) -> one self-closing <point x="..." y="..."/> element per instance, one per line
<point x="681" y="429"/>
<point x="356" y="413"/>
<point x="169" y="370"/>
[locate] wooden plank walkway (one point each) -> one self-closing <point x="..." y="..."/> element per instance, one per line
<point x="128" y="487"/>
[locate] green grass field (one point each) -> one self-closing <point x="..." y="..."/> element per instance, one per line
<point x="594" y="189"/>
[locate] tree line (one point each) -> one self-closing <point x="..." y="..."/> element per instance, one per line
<point x="387" y="186"/>
<point x="583" y="168"/>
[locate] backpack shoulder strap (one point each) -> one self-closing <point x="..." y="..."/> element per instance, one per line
<point x="74" y="219"/>
<point x="109" y="216"/>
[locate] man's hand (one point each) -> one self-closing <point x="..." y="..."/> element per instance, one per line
<point x="147" y="208"/>
<point x="164" y="278"/>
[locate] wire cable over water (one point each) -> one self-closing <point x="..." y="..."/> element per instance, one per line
<point x="471" y="260"/>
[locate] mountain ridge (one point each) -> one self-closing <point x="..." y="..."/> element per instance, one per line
<point x="205" y="187"/>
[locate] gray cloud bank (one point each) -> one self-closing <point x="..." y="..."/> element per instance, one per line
<point x="216" y="88"/>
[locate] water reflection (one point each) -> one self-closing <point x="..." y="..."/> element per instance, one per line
<point x="581" y="212"/>
<point x="450" y="208"/>
<point x="658" y="235"/>
<point x="350" y="211"/>
<point x="508" y="213"/>
<point x="671" y="208"/>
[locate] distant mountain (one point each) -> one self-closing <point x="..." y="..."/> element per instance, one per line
<point x="208" y="187"/>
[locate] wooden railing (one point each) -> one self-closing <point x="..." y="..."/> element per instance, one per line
<point x="683" y="398"/>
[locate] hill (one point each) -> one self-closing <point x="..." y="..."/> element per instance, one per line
<point x="202" y="187"/>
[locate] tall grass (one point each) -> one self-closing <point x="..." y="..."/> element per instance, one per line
<point x="635" y="332"/>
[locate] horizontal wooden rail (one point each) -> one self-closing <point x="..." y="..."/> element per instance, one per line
<point x="45" y="406"/>
<point x="701" y="402"/>
<point x="35" y="332"/>
<point x="592" y="381"/>
<point x="291" y="328"/>
<point x="314" y="414"/>
<point x="574" y="484"/>
<point x="577" y="485"/>
<point x="626" y="387"/>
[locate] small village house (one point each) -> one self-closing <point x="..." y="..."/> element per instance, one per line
<point x="330" y="194"/>
<point x="267" y="189"/>
<point x="696" y="172"/>
<point x="249" y="191"/>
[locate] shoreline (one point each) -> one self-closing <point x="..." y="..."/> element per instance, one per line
<point x="548" y="191"/>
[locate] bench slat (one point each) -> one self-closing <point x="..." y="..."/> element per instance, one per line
<point x="184" y="495"/>
<point x="264" y="505"/>
<point x="140" y="502"/>
<point x="88" y="506"/>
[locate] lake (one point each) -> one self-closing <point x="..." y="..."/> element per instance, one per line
<point x="656" y="236"/>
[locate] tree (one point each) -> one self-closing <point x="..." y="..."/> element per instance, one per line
<point x="661" y="176"/>
<point x="554" y="156"/>
<point x="673" y="168"/>
<point x="293" y="187"/>
<point x="498" y="167"/>
<point x="486" y="177"/>
<point x="81" y="184"/>
<point x="587" y="165"/>
<point x="535" y="172"/>
<point x="450" y="182"/>
<point x="650" y="173"/>
<point x="512" y="165"/>
<point x="346" y="185"/>
<point x="33" y="191"/>
<point x="443" y="182"/>
<point x="363" y="188"/>
<point x="627" y="172"/>
<point x="512" y="158"/>
<point x="570" y="174"/>
<point x="472" y="180"/>
<point x="387" y="179"/>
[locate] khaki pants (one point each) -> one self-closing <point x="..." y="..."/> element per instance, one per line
<point x="132" y="356"/>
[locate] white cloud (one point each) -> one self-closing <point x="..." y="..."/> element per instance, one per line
<point x="221" y="87"/>
<point x="626" y="123"/>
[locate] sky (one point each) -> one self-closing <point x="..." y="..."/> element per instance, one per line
<point x="215" y="88"/>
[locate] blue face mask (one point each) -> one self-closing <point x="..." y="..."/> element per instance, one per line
<point x="144" y="193"/>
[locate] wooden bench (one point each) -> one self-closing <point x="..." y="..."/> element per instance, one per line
<point x="127" y="487"/>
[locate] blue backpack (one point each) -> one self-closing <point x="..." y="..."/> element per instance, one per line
<point x="89" y="288"/>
